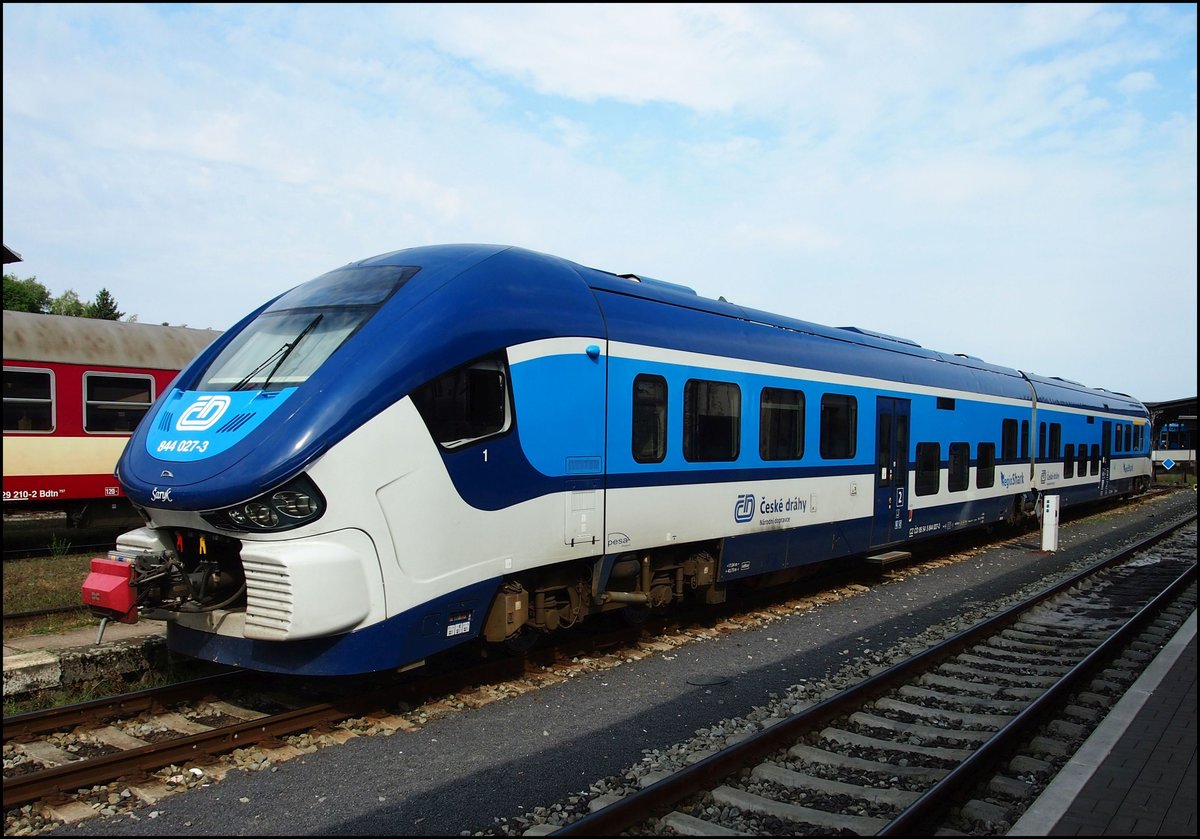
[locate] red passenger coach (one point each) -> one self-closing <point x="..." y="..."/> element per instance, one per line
<point x="74" y="389"/>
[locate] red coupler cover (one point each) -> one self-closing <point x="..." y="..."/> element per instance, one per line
<point x="107" y="590"/>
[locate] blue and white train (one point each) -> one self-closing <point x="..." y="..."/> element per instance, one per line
<point x="465" y="442"/>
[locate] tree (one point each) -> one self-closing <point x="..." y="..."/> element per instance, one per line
<point x="31" y="296"/>
<point x="104" y="307"/>
<point x="26" y="295"/>
<point x="69" y="304"/>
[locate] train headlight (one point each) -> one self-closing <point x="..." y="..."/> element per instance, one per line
<point x="295" y="503"/>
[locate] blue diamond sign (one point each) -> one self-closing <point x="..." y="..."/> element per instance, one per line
<point x="1168" y="463"/>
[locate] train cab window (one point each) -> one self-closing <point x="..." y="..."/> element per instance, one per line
<point x="1069" y="461"/>
<point x="1055" y="440"/>
<point x="115" y="404"/>
<point x="290" y="340"/>
<point x="1095" y="458"/>
<point x="649" y="419"/>
<point x="1083" y="460"/>
<point x="959" y="474"/>
<point x="839" y="426"/>
<point x="929" y="471"/>
<point x="1008" y="440"/>
<point x="985" y="469"/>
<point x="781" y="424"/>
<point x="28" y="400"/>
<point x="467" y="404"/>
<point x="712" y="414"/>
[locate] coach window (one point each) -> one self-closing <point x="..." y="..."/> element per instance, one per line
<point x="959" y="473"/>
<point x="1069" y="461"/>
<point x="649" y="419"/>
<point x="985" y="469"/>
<point x="1083" y="460"/>
<point x="1008" y="440"/>
<point x="712" y="413"/>
<point x="1041" y="441"/>
<point x="839" y="426"/>
<point x="1118" y="437"/>
<point x="929" y="474"/>
<point x="1128" y="438"/>
<point x="1055" y="440"/>
<point x="115" y="404"/>
<point x="1024" y="439"/>
<point x="1095" y="458"/>
<point x="467" y="404"/>
<point x="28" y="400"/>
<point x="781" y="424"/>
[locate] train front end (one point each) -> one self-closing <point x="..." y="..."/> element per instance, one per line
<point x="241" y="545"/>
<point x="274" y="475"/>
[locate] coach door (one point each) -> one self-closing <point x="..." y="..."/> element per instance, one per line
<point x="1105" y="456"/>
<point x="891" y="470"/>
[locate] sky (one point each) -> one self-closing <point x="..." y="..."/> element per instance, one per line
<point x="1017" y="183"/>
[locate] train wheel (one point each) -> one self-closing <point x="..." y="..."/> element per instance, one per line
<point x="521" y="641"/>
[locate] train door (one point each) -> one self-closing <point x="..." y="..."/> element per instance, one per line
<point x="582" y="385"/>
<point x="891" y="470"/>
<point x="1105" y="456"/>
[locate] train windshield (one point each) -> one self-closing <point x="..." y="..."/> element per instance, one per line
<point x="293" y="337"/>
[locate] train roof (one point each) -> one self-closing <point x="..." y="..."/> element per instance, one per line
<point x="959" y="367"/>
<point x="744" y="332"/>
<point x="35" y="338"/>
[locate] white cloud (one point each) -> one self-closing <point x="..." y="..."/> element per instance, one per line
<point x="1138" y="82"/>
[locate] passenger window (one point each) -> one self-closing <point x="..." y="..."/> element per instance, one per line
<point x="960" y="467"/>
<point x="467" y="404"/>
<point x="712" y="413"/>
<point x="1069" y="461"/>
<point x="28" y="400"/>
<point x="839" y="426"/>
<point x="1055" y="440"/>
<point x="1095" y="458"/>
<point x="1024" y="439"/>
<point x="781" y="424"/>
<point x="985" y="469"/>
<point x="649" y="419"/>
<point x="1008" y="440"/>
<point x="115" y="403"/>
<point x="929" y="474"/>
<point x="1083" y="460"/>
<point x="1041" y="441"/>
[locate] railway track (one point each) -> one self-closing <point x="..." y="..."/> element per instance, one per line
<point x="958" y="738"/>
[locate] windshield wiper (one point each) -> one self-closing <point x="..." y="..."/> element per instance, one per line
<point x="282" y="353"/>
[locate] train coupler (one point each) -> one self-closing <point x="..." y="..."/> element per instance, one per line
<point x="109" y="594"/>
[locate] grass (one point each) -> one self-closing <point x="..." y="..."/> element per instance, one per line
<point x="45" y="583"/>
<point x="1176" y="476"/>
